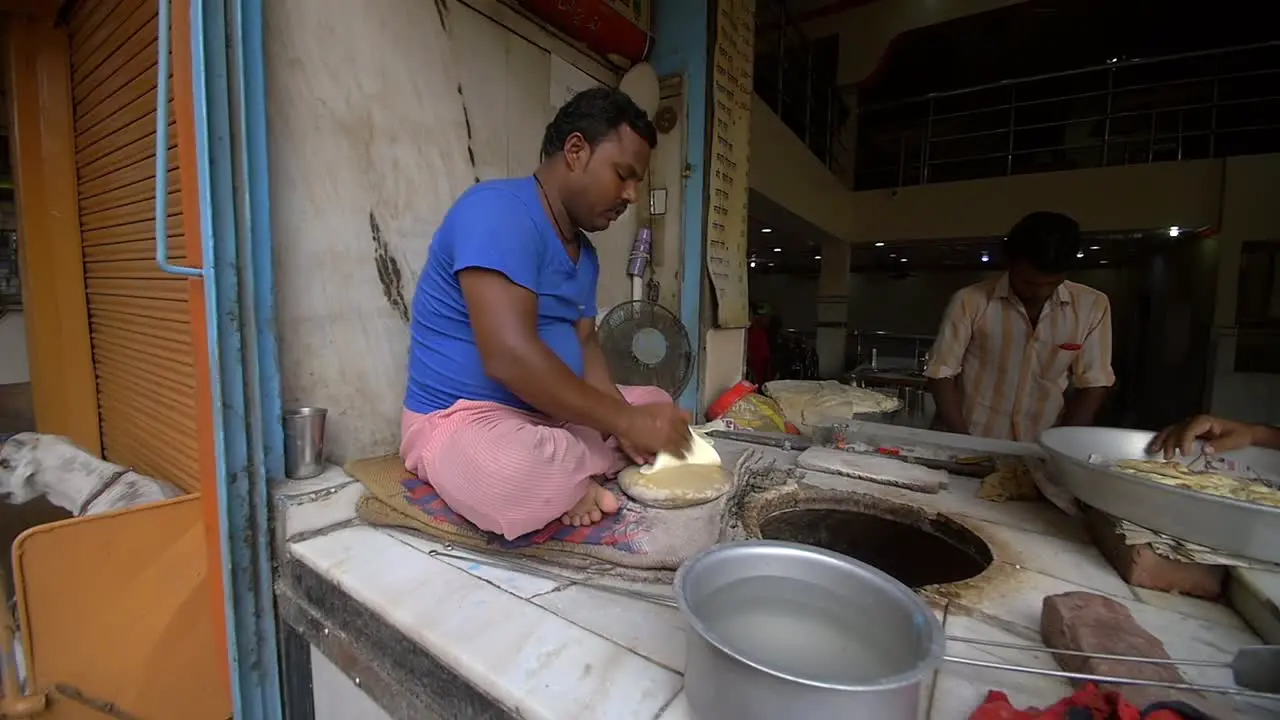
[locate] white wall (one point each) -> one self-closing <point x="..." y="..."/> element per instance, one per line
<point x="336" y="697"/>
<point x="13" y="349"/>
<point x="1248" y="213"/>
<point x="387" y="110"/>
<point x="364" y="122"/>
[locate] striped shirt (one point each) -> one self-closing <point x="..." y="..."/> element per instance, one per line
<point x="1012" y="376"/>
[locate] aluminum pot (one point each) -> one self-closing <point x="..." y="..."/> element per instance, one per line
<point x="726" y="677"/>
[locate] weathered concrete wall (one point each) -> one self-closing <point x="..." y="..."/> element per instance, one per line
<point x="368" y="146"/>
<point x="380" y="114"/>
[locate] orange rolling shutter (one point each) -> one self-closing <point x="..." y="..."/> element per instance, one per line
<point x="147" y="357"/>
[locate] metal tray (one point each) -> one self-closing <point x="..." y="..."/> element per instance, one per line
<point x="1225" y="524"/>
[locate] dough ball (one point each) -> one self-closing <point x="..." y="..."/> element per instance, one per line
<point x="675" y="487"/>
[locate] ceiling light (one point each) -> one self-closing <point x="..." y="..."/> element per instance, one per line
<point x="986" y="258"/>
<point x="1102" y="262"/>
<point x="753" y="263"/>
<point x="817" y="257"/>
<point x="1080" y="254"/>
<point x="1094" y="247"/>
<point x="904" y="259"/>
<point x="879" y="244"/>
<point x="893" y="254"/>
<point x="766" y="229"/>
<point x="777" y="249"/>
<point x="1174" y="230"/>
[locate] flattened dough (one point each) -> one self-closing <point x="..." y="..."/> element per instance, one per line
<point x="682" y="485"/>
<point x="700" y="453"/>
<point x="1172" y="472"/>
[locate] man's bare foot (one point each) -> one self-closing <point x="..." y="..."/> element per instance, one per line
<point x="592" y="508"/>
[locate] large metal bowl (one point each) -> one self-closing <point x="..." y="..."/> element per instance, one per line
<point x="1233" y="526"/>
<point x="725" y="680"/>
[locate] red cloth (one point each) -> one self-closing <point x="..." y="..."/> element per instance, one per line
<point x="759" y="360"/>
<point x="1087" y="703"/>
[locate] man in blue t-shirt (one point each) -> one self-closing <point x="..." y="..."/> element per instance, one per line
<point x="510" y="411"/>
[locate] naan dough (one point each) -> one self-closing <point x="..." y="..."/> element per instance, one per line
<point x="700" y="453"/>
<point x="1172" y="472"/>
<point x="675" y="486"/>
<point x="675" y="482"/>
<point x="1012" y="480"/>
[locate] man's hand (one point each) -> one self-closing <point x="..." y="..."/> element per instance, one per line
<point x="1219" y="435"/>
<point x="637" y="457"/>
<point x="649" y="429"/>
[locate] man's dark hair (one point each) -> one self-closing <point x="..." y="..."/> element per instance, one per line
<point x="1047" y="241"/>
<point x="596" y="114"/>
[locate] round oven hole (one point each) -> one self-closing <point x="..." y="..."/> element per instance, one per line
<point x="934" y="551"/>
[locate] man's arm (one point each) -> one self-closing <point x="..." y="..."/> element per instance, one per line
<point x="1266" y="436"/>
<point x="1092" y="373"/>
<point x="1219" y="435"/>
<point x="1083" y="406"/>
<point x="596" y="372"/>
<point x="504" y="317"/>
<point x="948" y="400"/>
<point x="946" y="361"/>
<point x="595" y="369"/>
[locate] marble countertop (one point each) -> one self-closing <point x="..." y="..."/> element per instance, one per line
<point x="549" y="649"/>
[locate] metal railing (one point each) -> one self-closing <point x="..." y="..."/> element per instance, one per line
<point x="1183" y="107"/>
<point x="795" y="77"/>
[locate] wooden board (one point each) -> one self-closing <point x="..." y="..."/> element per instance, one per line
<point x="117" y="606"/>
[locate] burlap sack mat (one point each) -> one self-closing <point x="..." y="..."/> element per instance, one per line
<point x="657" y="540"/>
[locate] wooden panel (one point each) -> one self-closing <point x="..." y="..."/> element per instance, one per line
<point x="33" y="9"/>
<point x="62" y="376"/>
<point x="184" y="113"/>
<point x="140" y="319"/>
<point x="129" y="587"/>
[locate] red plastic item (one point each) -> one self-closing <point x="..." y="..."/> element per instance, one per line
<point x="601" y="25"/>
<point x="727" y="399"/>
<point x="1087" y="702"/>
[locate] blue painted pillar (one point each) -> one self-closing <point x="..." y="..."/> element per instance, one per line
<point x="230" y="100"/>
<point x="682" y="47"/>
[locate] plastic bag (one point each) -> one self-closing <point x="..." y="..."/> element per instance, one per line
<point x="759" y="413"/>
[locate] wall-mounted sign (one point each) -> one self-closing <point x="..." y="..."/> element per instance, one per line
<point x="730" y="154"/>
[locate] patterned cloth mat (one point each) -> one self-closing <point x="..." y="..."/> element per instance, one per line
<point x="625" y="531"/>
<point x="637" y="537"/>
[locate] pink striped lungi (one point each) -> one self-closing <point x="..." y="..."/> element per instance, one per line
<point x="510" y="471"/>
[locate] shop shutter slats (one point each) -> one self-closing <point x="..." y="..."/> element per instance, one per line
<point x="142" y="170"/>
<point x="121" y="113"/>
<point x="139" y="318"/>
<point x="134" y="233"/>
<point x="117" y="39"/>
<point x="96" y="165"/>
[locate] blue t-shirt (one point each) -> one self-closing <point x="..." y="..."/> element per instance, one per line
<point x="497" y="225"/>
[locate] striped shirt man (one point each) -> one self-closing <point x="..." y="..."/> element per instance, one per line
<point x="1013" y="373"/>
